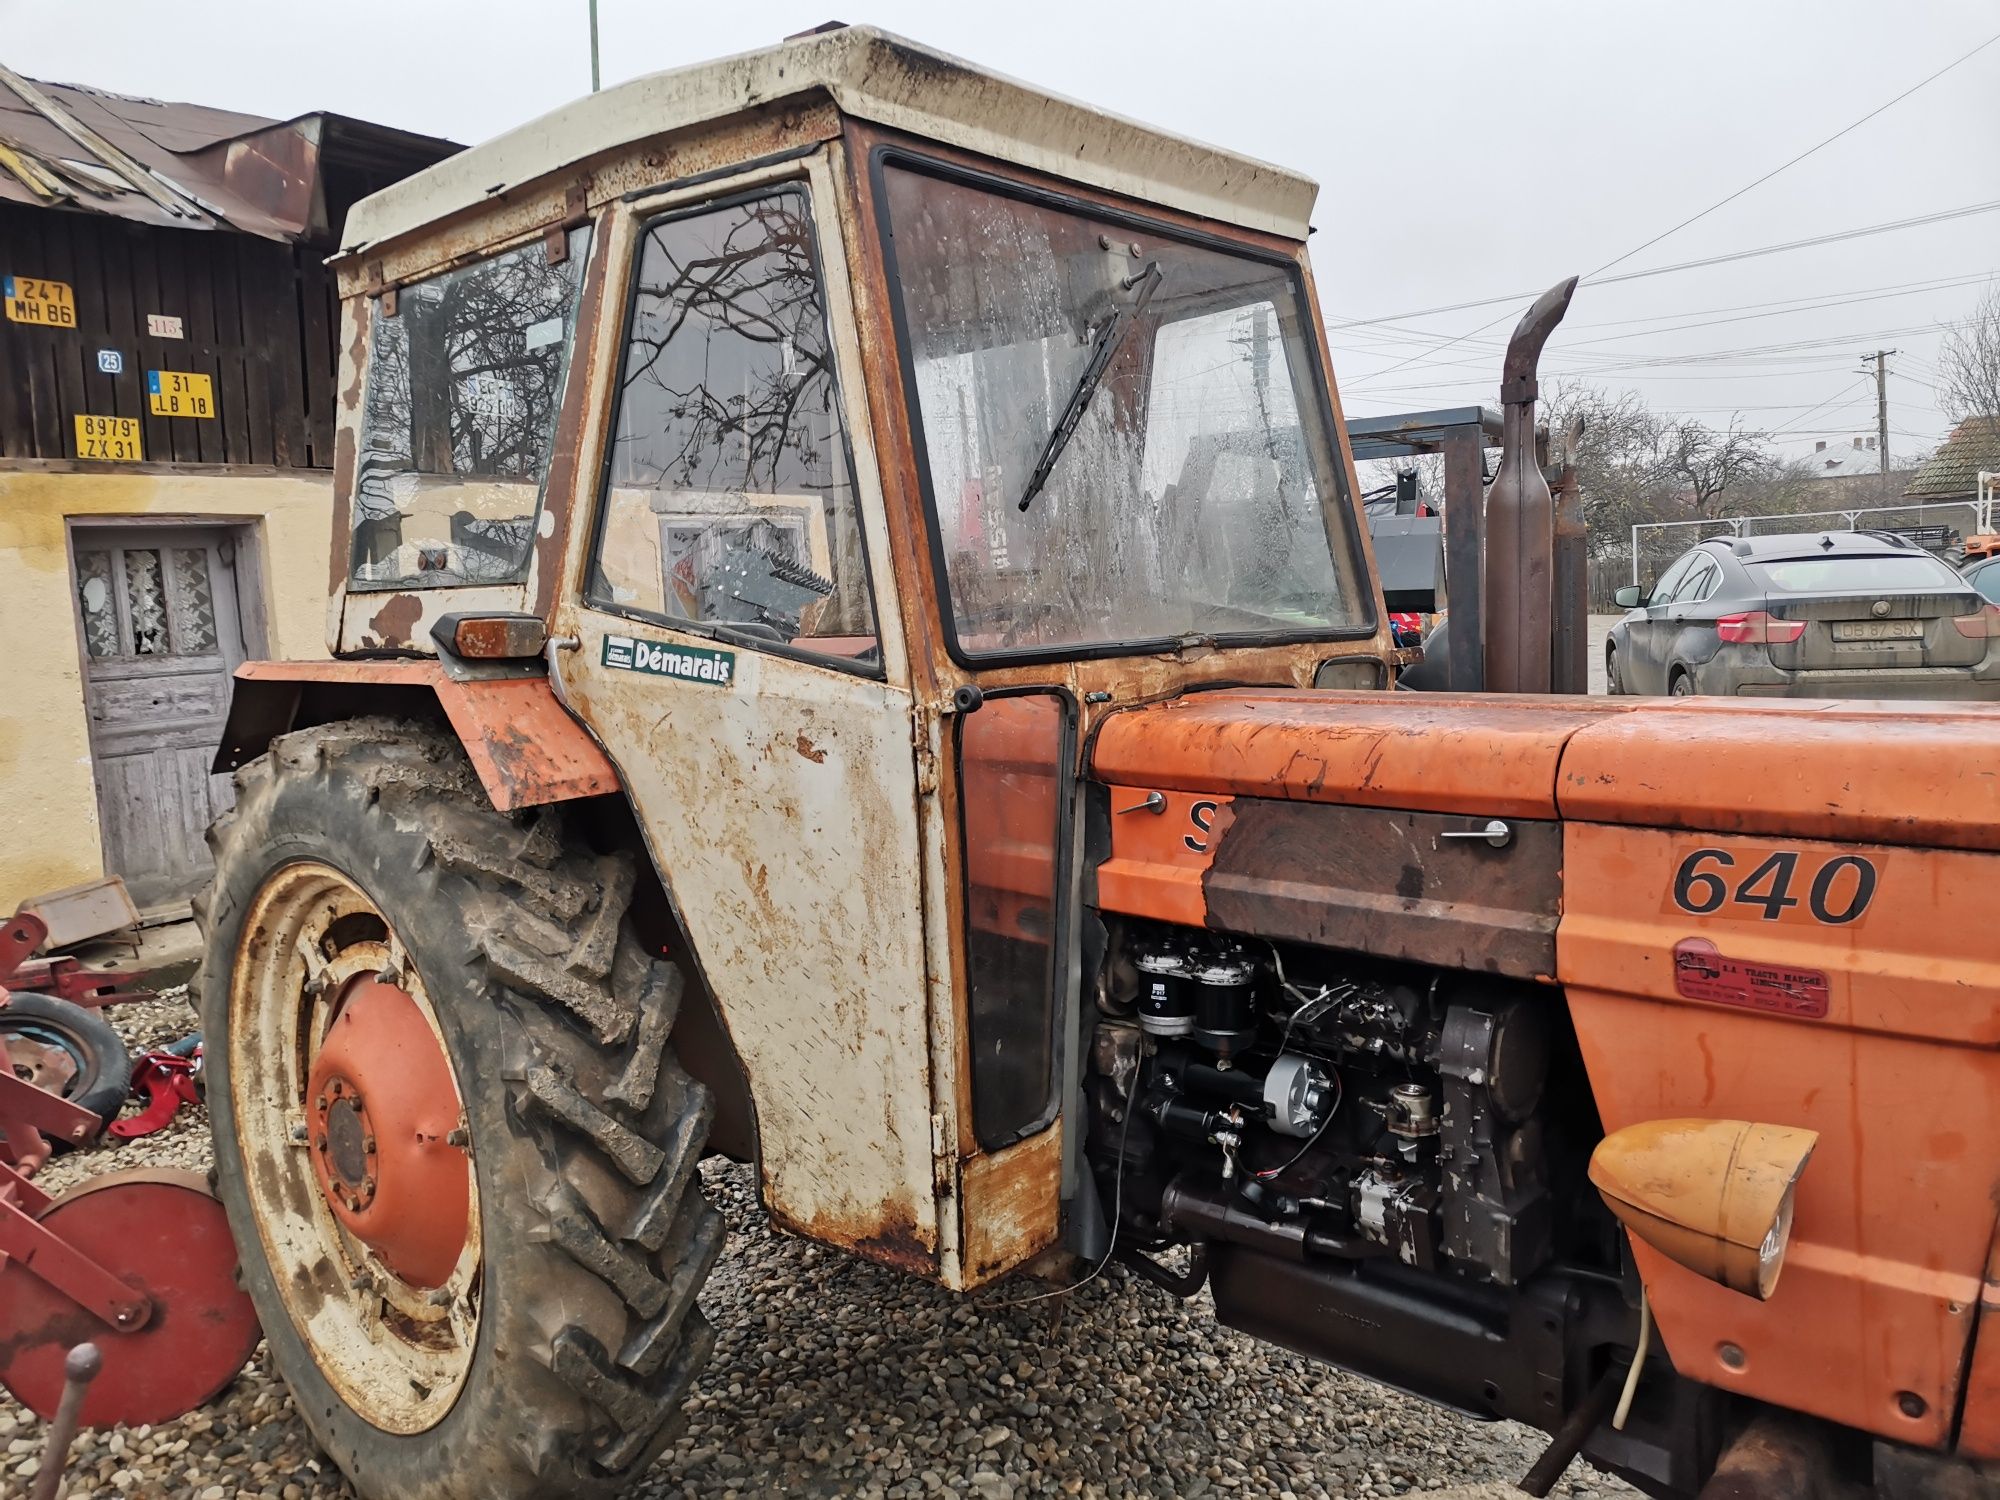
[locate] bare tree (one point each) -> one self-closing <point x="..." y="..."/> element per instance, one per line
<point x="1969" y="363"/>
<point x="1713" y="468"/>
<point x="1622" y="480"/>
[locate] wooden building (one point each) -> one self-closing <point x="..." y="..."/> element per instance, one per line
<point x="166" y="446"/>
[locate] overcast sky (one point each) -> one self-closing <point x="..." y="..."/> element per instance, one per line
<point x="1465" y="150"/>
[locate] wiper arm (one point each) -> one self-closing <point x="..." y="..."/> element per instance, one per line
<point x="1110" y="338"/>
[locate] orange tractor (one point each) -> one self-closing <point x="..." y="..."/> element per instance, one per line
<point x="853" y="650"/>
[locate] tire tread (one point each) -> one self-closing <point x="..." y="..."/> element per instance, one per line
<point x="612" y="1008"/>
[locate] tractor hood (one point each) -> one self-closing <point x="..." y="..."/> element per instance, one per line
<point x="1915" y="774"/>
<point x="1444" y="828"/>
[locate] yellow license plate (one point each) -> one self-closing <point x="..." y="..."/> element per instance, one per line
<point x="47" y="304"/>
<point x="113" y="438"/>
<point x="178" y="393"/>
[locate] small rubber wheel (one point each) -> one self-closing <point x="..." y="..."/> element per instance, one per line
<point x="68" y="1050"/>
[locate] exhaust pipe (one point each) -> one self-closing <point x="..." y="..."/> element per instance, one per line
<point x="1519" y="583"/>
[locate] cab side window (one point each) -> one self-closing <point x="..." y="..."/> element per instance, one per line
<point x="465" y="378"/>
<point x="729" y="505"/>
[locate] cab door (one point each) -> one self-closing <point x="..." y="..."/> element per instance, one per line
<point x="740" y="660"/>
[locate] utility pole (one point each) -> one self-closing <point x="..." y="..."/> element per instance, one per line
<point x="1880" y="359"/>
<point x="593" y="47"/>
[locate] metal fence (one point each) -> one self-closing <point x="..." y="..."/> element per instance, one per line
<point x="1657" y="543"/>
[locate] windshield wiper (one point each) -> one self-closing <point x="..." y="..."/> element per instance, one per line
<point x="1109" y="339"/>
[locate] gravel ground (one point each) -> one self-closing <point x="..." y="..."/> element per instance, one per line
<point x="835" y="1377"/>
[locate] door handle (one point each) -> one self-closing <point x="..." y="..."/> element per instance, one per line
<point x="1495" y="833"/>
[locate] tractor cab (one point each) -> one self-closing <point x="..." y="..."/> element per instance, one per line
<point x="1085" y="385"/>
<point x="839" y="432"/>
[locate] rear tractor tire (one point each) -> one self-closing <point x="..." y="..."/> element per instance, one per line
<point x="457" y="1152"/>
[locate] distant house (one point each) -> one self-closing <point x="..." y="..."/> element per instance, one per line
<point x="1952" y="473"/>
<point x="167" y="371"/>
<point x="1857" y="460"/>
<point x="1851" y="474"/>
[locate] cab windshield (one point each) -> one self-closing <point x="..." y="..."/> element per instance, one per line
<point x="1195" y="490"/>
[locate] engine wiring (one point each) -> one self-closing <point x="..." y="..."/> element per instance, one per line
<point x="1299" y="1155"/>
<point x="1117" y="1209"/>
<point x="1327" y="994"/>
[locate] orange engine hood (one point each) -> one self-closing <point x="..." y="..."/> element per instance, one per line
<point x="1436" y="752"/>
<point x="1914" y="774"/>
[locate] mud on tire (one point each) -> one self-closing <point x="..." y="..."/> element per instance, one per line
<point x="584" y="1130"/>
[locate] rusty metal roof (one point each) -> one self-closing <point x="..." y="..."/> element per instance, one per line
<point x="185" y="166"/>
<point x="1972" y="449"/>
<point x="873" y="76"/>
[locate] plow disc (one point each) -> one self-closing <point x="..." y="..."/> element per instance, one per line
<point x="162" y="1234"/>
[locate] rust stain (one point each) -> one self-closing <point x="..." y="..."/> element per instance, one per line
<point x="1447" y="753"/>
<point x="1375" y="880"/>
<point x="1010" y="1206"/>
<point x="1853" y="772"/>
<point x="890" y="1241"/>
<point x="811" y="751"/>
<point x="343" y="491"/>
<point x="394" y="621"/>
<point x="522" y="743"/>
<point x="552" y="523"/>
<point x="1945" y="1145"/>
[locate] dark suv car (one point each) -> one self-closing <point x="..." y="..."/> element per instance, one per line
<point x="1836" y="614"/>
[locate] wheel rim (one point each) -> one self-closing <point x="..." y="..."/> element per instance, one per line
<point x="355" y="1147"/>
<point x="42" y="1058"/>
<point x="1683" y="686"/>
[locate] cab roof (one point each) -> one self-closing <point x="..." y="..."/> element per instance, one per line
<point x="873" y="76"/>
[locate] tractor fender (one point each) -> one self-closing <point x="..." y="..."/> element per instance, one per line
<point x="525" y="747"/>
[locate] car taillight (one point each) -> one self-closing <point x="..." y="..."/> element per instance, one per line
<point x="1982" y="625"/>
<point x="1757" y="629"/>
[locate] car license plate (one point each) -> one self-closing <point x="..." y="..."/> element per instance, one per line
<point x="32" y="299"/>
<point x="1878" y="630"/>
<point x="113" y="438"/>
<point x="179" y="393"/>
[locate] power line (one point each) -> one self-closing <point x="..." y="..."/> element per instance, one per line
<point x="1789" y="353"/>
<point x="1843" y="391"/>
<point x="1594" y="276"/>
<point x="1858" y="294"/>
<point x="1578" y="347"/>
<point x="1810" y="150"/>
<point x="1886" y="227"/>
<point x="1388" y="333"/>
<point x="1792" y="372"/>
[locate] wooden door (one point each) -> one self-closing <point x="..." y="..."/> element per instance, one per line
<point x="161" y="634"/>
